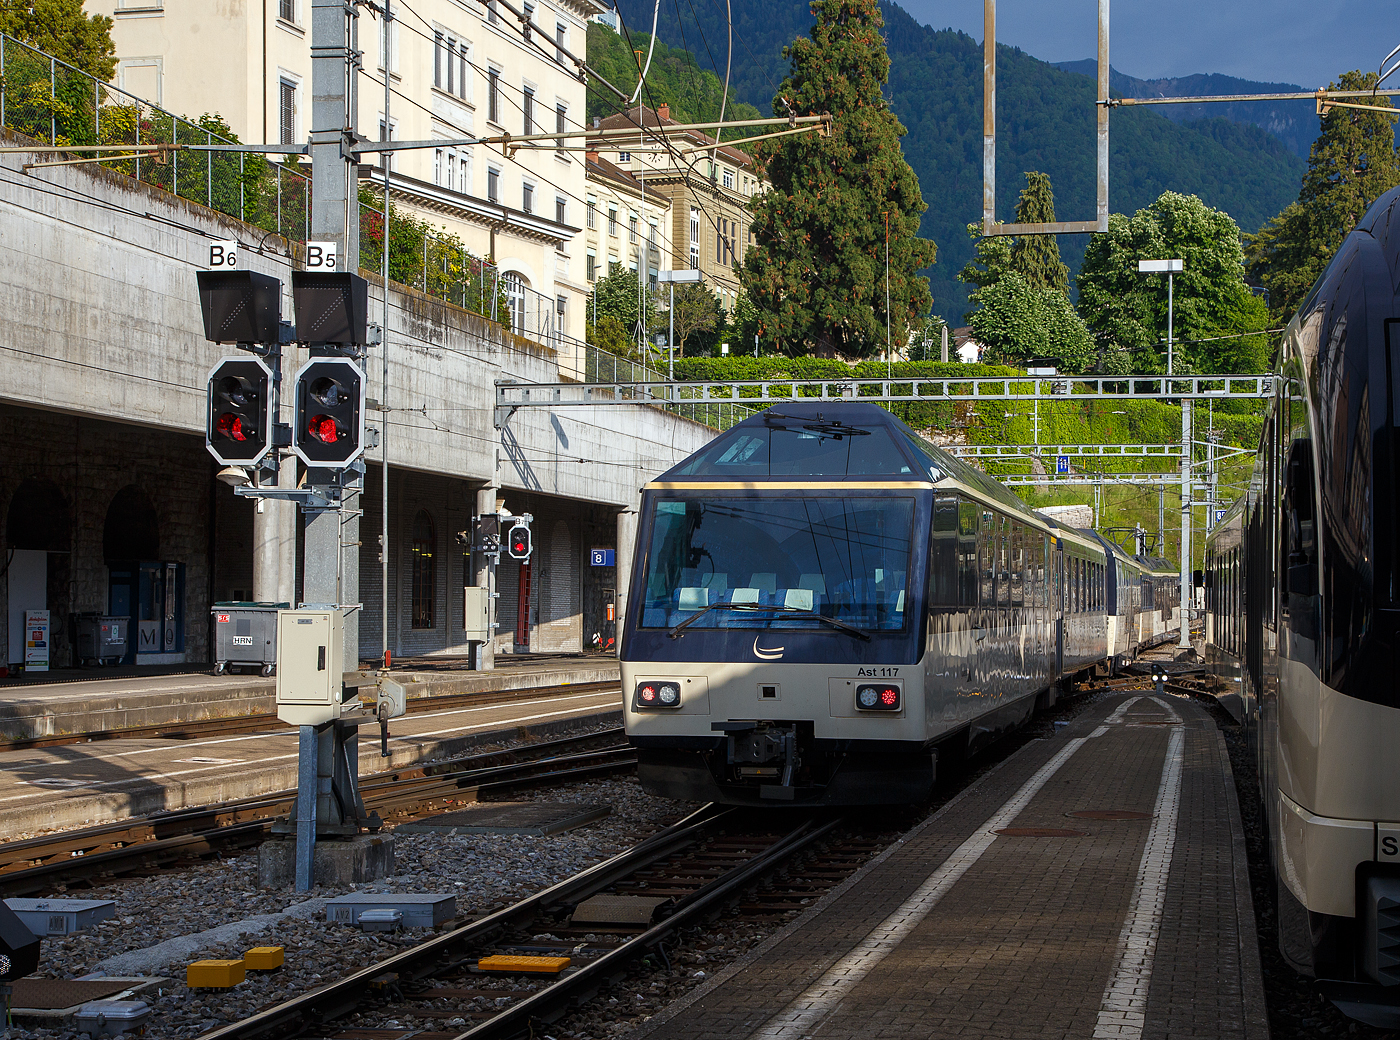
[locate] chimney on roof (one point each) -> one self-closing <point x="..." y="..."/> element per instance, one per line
<point x="597" y="122"/>
<point x="664" y="110"/>
<point x="591" y="156"/>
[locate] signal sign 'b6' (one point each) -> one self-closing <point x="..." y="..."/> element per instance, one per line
<point x="330" y="413"/>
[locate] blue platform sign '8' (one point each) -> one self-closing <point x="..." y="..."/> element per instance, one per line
<point x="601" y="557"/>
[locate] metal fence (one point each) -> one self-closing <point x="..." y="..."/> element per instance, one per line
<point x="54" y="103"/>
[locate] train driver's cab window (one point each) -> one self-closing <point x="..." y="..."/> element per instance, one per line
<point x="779" y="563"/>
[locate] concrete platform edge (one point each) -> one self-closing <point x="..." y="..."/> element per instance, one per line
<point x="1256" y="1019"/>
<point x="69" y="714"/>
<point x="86" y="811"/>
<point x="671" y="1011"/>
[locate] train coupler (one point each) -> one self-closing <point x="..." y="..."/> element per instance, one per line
<point x="761" y="750"/>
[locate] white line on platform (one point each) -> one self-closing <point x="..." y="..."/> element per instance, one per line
<point x="802" y="1015"/>
<point x="270" y="759"/>
<point x="1123" y="1011"/>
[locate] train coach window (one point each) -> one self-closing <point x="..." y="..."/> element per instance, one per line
<point x="967" y="552"/>
<point x="944" y="578"/>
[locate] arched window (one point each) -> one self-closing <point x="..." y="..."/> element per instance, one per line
<point x="515" y="300"/>
<point x="132" y="530"/>
<point x="424" y="569"/>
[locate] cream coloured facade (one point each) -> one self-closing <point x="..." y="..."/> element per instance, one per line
<point x="708" y="191"/>
<point x="623" y="223"/>
<point x="458" y="70"/>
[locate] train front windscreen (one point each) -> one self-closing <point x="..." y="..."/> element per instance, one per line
<point x="838" y="566"/>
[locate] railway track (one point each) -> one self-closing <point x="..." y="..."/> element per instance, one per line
<point x="261" y="722"/>
<point x="713" y="861"/>
<point x="144" y="845"/>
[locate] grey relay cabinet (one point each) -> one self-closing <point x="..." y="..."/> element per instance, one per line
<point x="245" y="636"/>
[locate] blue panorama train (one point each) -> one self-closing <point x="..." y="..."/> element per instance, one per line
<point x="824" y="603"/>
<point x="1303" y="623"/>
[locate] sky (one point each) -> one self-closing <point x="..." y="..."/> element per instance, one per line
<point x="1307" y="42"/>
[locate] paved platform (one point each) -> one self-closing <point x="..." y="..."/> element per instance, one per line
<point x="1138" y="925"/>
<point x="74" y="785"/>
<point x="89" y="702"/>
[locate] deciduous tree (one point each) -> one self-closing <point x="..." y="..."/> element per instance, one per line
<point x="816" y="269"/>
<point x="1127" y="311"/>
<point x="60" y="28"/>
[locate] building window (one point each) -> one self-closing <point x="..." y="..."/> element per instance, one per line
<point x="561" y="210"/>
<point x="624" y="157"/>
<point x="591" y="264"/>
<point x="528" y="111"/>
<point x="493" y="95"/>
<point x="492" y="14"/>
<point x="439" y="156"/>
<point x="561" y="113"/>
<point x="560" y="303"/>
<point x="694" y="239"/>
<point x="424" y="569"/>
<point x="632" y="228"/>
<point x="526" y="23"/>
<point x="591" y="208"/>
<point x="515" y="300"/>
<point x="729" y="179"/>
<point x="450" y="58"/>
<point x="386" y="134"/>
<point x="287" y="10"/>
<point x="464" y="173"/>
<point x="287" y="111"/>
<point x="612" y="220"/>
<point x="440" y="61"/>
<point x="493" y="184"/>
<point x="561" y="38"/>
<point x="527" y="197"/>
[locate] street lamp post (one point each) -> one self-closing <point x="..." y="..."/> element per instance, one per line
<point x="684" y="275"/>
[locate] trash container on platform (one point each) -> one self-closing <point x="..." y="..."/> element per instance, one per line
<point x="245" y="636"/>
<point x="100" y="638"/>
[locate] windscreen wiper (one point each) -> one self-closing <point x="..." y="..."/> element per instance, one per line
<point x="675" y="632"/>
<point x="859" y="633"/>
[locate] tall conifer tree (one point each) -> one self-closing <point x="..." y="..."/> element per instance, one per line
<point x="816" y="269"/>
<point x="1037" y="257"/>
<point x="1352" y="164"/>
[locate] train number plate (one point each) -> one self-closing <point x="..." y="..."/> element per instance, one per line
<point x="1388" y="843"/>
<point x="242" y="640"/>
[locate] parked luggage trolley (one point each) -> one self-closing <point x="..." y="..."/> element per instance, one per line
<point x="245" y="636"/>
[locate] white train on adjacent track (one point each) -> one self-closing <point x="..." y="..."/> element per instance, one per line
<point x="1303" y="620"/>
<point x="825" y="605"/>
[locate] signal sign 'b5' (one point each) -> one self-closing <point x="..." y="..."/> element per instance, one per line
<point x="330" y="413"/>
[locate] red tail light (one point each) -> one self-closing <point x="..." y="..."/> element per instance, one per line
<point x="879" y="697"/>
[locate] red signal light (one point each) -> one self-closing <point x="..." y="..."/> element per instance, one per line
<point x="648" y="694"/>
<point x="324" y="429"/>
<point x="231" y="426"/>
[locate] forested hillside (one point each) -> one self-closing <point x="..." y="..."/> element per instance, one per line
<point x="692" y="92"/>
<point x="1292" y="122"/>
<point x="1045" y="122"/>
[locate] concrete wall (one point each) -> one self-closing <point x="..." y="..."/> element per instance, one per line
<point x="100" y="331"/>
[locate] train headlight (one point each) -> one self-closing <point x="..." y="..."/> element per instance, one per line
<point x="879" y="697"/>
<point x="651" y="695"/>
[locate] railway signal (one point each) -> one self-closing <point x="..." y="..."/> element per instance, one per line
<point x="330" y="413"/>
<point x="518" y="543"/>
<point x="238" y="426"/>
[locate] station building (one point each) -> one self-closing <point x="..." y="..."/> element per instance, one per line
<point x="110" y="504"/>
